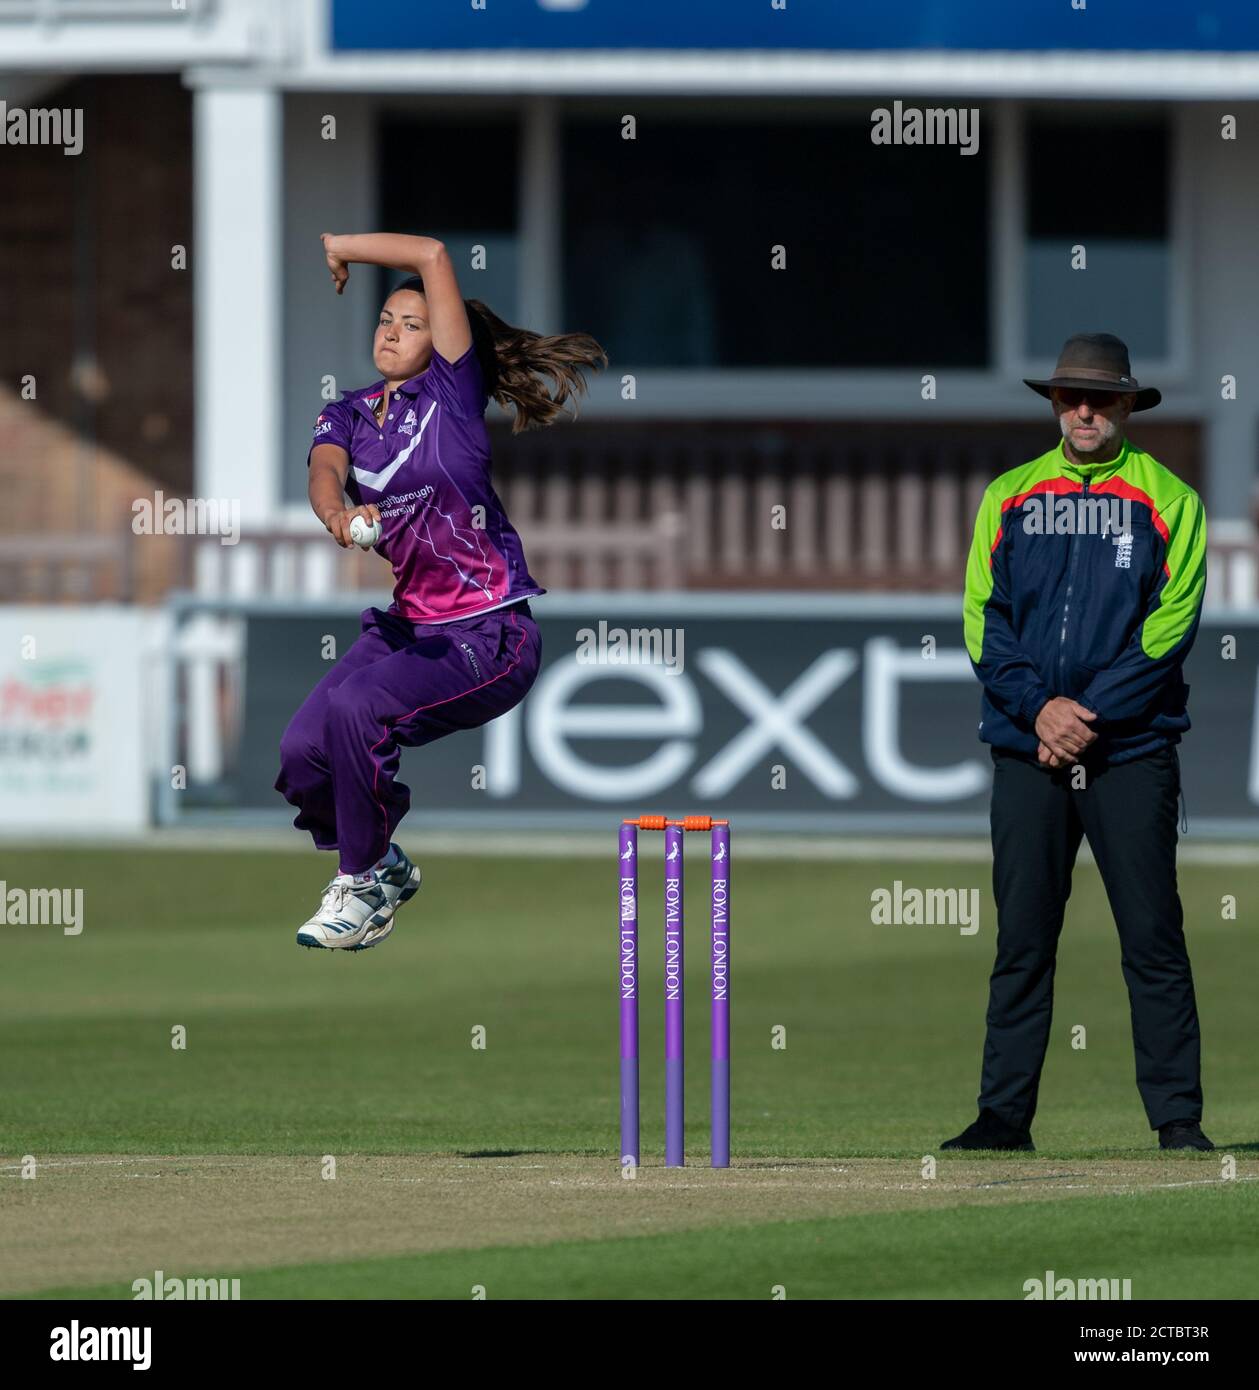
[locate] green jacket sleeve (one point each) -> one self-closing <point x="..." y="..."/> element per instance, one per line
<point x="1132" y="687"/>
<point x="1009" y="676"/>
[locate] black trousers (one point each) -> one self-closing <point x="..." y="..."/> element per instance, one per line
<point x="1129" y="814"/>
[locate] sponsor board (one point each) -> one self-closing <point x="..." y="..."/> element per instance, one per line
<point x="791" y="711"/>
<point x="71" y="719"/>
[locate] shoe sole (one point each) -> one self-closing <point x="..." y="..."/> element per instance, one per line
<point x="314" y="944"/>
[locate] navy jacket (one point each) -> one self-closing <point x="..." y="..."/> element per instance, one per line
<point x="1086" y="581"/>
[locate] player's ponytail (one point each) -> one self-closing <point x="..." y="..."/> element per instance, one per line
<point x="533" y="375"/>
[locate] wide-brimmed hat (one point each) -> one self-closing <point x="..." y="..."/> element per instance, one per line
<point x="1097" y="362"/>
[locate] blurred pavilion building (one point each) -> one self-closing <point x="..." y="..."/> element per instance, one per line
<point x="240" y="129"/>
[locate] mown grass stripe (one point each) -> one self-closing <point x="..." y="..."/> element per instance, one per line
<point x="1172" y="1245"/>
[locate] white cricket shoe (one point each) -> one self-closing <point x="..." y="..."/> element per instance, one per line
<point x="347" y="915"/>
<point x="399" y="882"/>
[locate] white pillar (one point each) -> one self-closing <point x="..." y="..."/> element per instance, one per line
<point x="237" y="297"/>
<point x="1226" y="273"/>
<point x="539" y="229"/>
<point x="329" y="186"/>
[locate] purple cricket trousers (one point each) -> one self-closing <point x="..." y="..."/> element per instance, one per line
<point x="400" y="685"/>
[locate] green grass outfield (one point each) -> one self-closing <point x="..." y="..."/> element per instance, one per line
<point x="299" y="1054"/>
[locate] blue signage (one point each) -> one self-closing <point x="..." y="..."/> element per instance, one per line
<point x="1026" y="25"/>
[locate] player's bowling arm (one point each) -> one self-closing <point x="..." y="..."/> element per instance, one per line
<point x="329" y="468"/>
<point x="447" y="317"/>
<point x="427" y="258"/>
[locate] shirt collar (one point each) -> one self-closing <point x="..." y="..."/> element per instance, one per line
<point x="365" y="393"/>
<point x="1094" y="472"/>
<point x="412" y="387"/>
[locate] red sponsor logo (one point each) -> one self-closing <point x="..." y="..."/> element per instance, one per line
<point x="52" y="704"/>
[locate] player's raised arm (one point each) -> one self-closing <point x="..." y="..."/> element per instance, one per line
<point x="423" y="256"/>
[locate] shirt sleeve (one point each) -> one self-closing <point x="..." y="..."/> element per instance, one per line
<point x="1132" y="686"/>
<point x="1008" y="674"/>
<point x="333" y="426"/>
<point x="459" y="386"/>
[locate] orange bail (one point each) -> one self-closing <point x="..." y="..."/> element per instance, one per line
<point x="687" y="822"/>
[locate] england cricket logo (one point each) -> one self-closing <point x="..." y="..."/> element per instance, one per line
<point x="1123" y="553"/>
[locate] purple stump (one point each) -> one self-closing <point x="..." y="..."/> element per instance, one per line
<point x="721" y="997"/>
<point x="674" y="1045"/>
<point x="628" y="973"/>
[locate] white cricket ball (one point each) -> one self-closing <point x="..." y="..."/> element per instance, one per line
<point x="364" y="533"/>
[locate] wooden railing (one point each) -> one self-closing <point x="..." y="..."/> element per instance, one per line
<point x="795" y="506"/>
<point x="66" y="568"/>
<point x="818" y="505"/>
<point x="560" y="555"/>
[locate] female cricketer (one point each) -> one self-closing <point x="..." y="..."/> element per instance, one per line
<point x="458" y="645"/>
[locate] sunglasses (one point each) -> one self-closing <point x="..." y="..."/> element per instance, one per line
<point x="1071" y="397"/>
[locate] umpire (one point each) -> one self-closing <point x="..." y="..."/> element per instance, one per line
<point x="1083" y="592"/>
